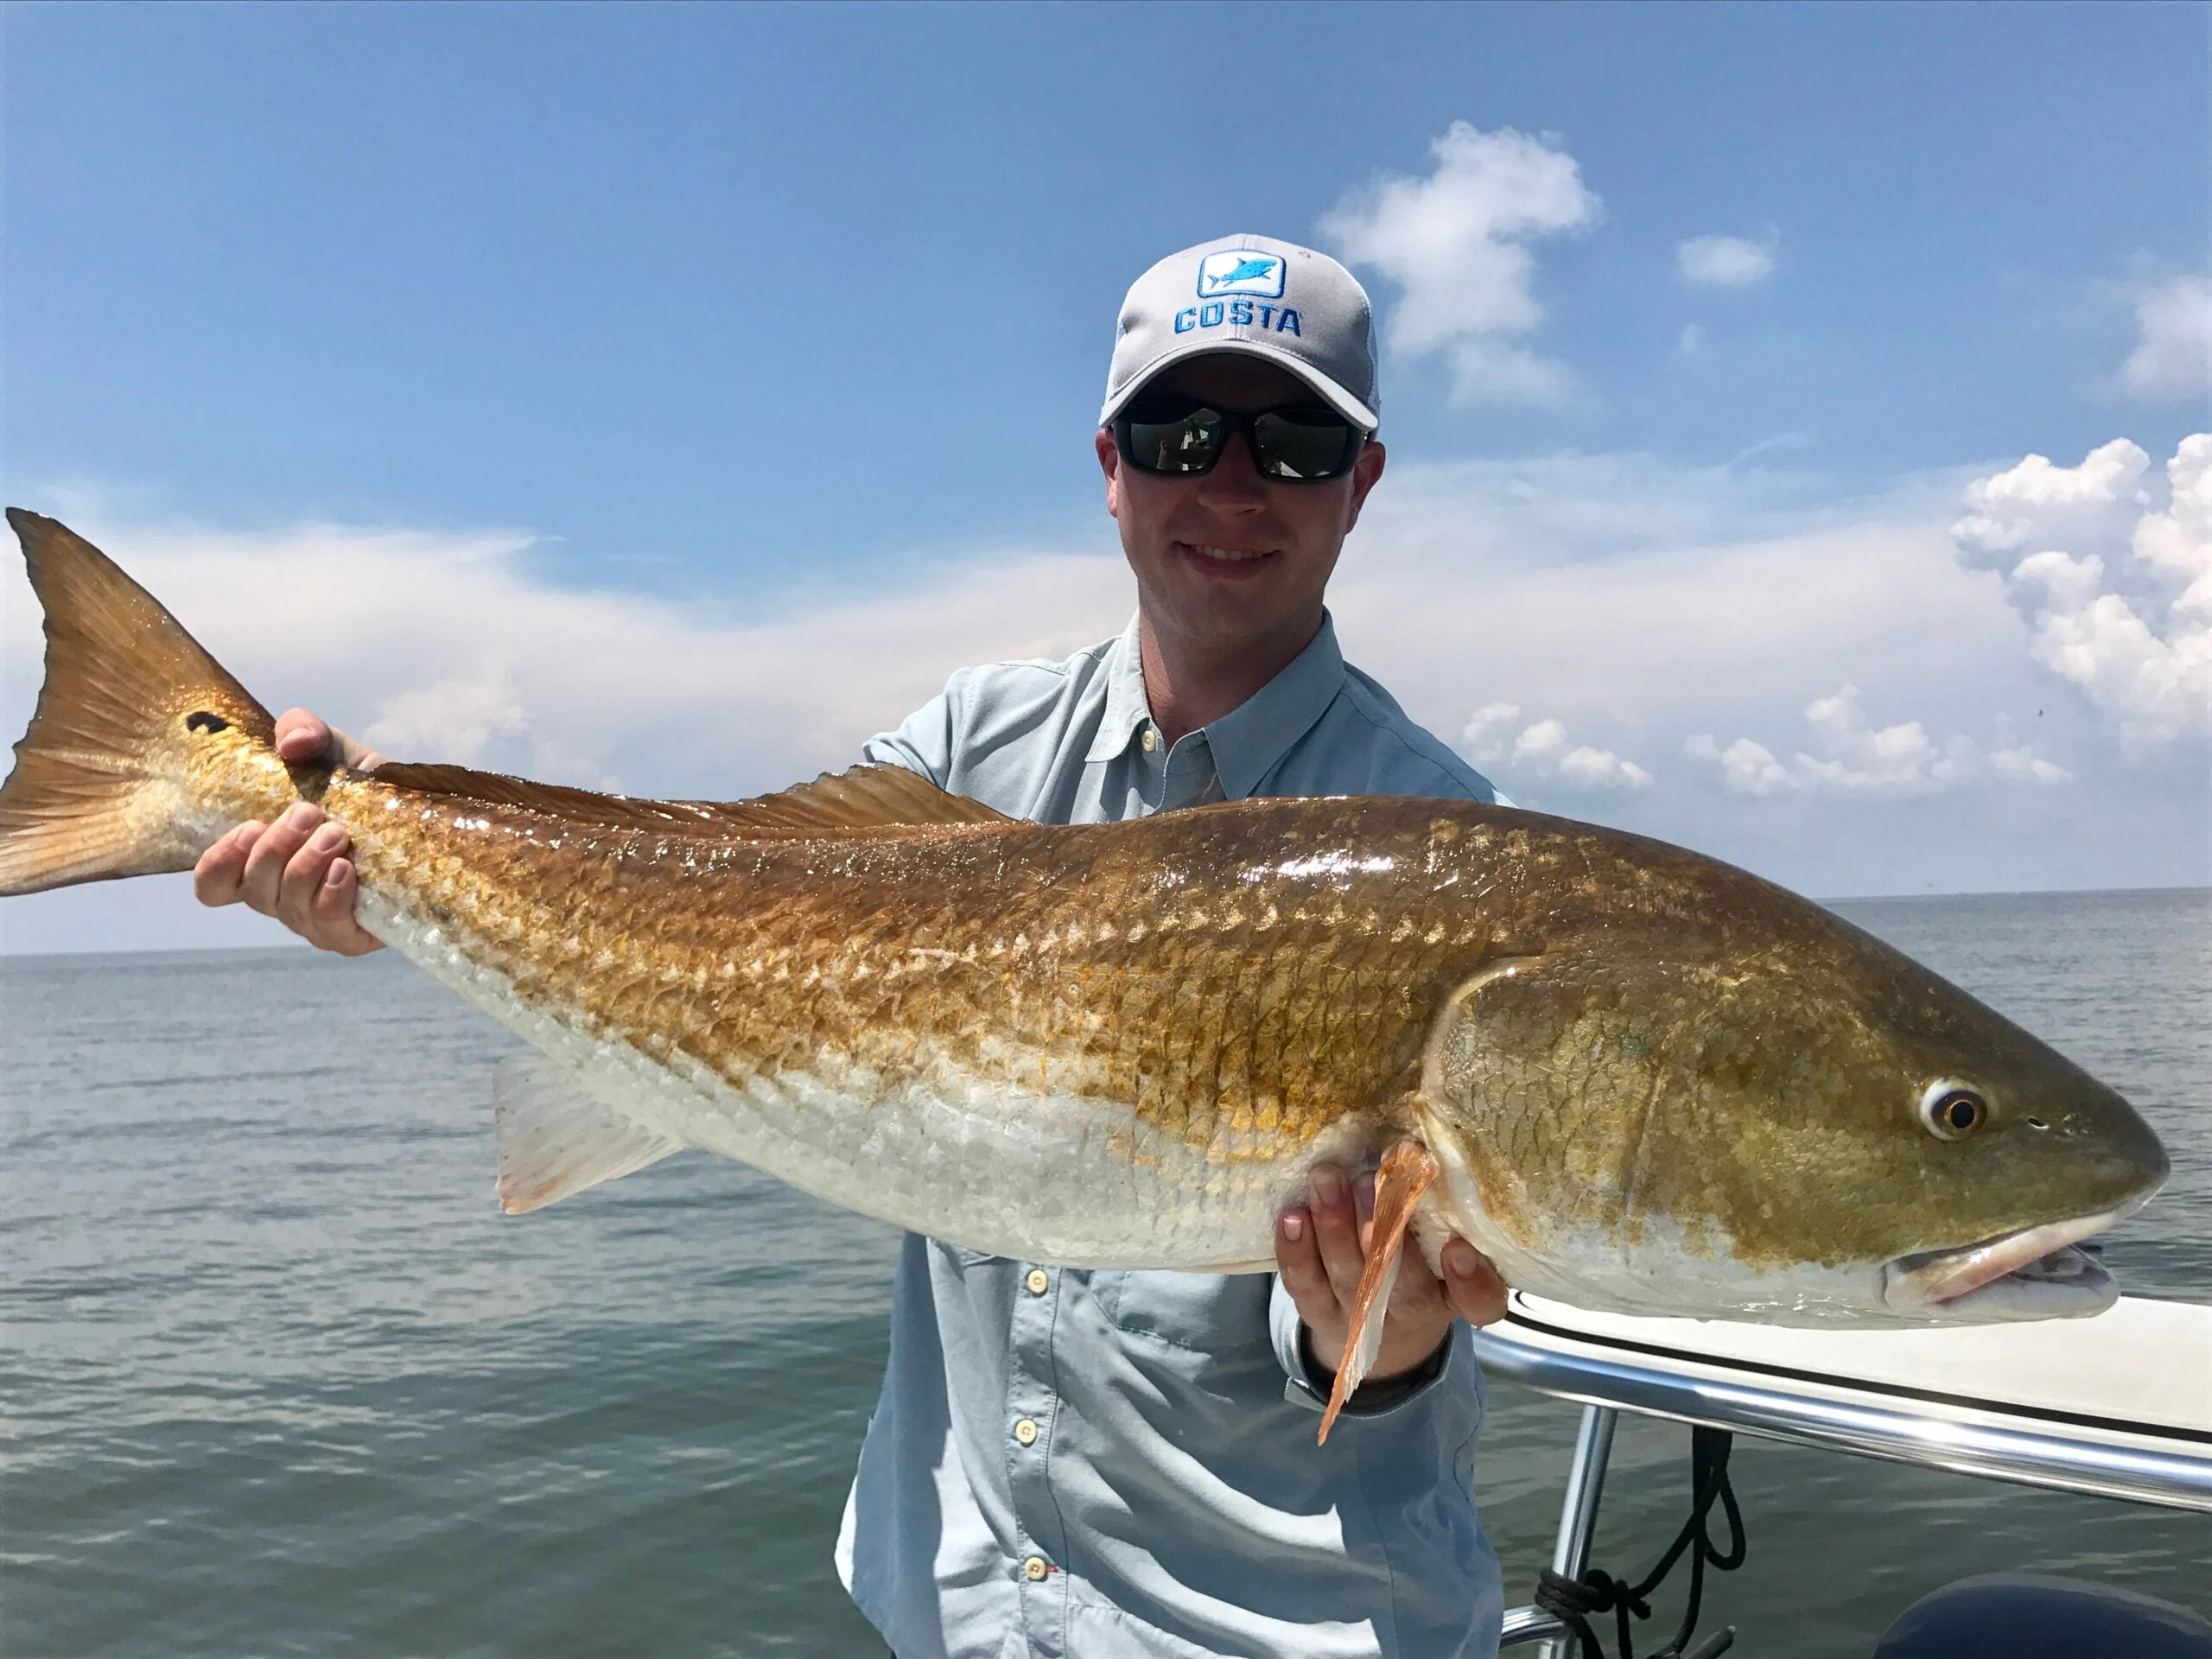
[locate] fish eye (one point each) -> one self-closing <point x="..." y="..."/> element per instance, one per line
<point x="1952" y="1110"/>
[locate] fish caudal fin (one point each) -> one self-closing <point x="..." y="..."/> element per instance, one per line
<point x="99" y="788"/>
<point x="1407" y="1169"/>
<point x="556" y="1139"/>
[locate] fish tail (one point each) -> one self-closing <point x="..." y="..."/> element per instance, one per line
<point x="109" y="780"/>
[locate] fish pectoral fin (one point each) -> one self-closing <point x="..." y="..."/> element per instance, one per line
<point x="555" y="1138"/>
<point x="1407" y="1170"/>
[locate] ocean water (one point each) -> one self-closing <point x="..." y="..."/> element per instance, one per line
<point x="276" y="1376"/>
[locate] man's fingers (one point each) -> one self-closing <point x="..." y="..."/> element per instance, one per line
<point x="334" y="927"/>
<point x="271" y="850"/>
<point x="1335" y="1227"/>
<point x="1298" y="1261"/>
<point x="222" y="868"/>
<point x="1472" y="1284"/>
<point x="1415" y="1290"/>
<point x="272" y="854"/>
<point x="296" y="870"/>
<point x="332" y="908"/>
<point x="304" y="874"/>
<point x="303" y="736"/>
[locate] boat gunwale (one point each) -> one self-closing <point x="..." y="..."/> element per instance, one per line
<point x="2130" y="1427"/>
<point x="2133" y="1461"/>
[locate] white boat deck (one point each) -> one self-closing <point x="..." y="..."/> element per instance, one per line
<point x="2120" y="1404"/>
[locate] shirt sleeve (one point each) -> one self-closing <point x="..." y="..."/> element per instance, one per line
<point x="926" y="738"/>
<point x="1305" y="1389"/>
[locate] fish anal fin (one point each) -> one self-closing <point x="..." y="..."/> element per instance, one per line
<point x="556" y="1138"/>
<point x="1407" y="1170"/>
<point x="865" y="798"/>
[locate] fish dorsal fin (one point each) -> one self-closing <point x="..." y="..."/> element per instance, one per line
<point x="866" y="797"/>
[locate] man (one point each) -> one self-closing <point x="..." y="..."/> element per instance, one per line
<point x="1099" y="1463"/>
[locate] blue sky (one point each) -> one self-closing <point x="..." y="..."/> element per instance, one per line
<point x="754" y="313"/>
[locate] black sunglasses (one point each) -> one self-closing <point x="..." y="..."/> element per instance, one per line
<point x="1181" y="437"/>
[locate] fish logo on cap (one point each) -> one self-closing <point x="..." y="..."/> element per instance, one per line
<point x="1241" y="270"/>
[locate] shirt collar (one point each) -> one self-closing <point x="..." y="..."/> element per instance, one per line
<point x="1250" y="739"/>
<point x="1127" y="709"/>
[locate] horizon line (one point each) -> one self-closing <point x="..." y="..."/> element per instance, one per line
<point x="290" y="942"/>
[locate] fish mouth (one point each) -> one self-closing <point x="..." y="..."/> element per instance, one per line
<point x="2033" y="1273"/>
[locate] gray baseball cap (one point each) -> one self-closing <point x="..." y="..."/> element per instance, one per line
<point x="1254" y="295"/>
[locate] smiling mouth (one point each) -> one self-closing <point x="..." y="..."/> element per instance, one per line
<point x="1235" y="561"/>
<point x="2033" y="1266"/>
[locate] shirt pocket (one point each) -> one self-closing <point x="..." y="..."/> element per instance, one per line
<point x="1210" y="1314"/>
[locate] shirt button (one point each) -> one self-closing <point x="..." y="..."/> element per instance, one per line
<point x="1035" y="1568"/>
<point x="1038" y="1281"/>
<point x="1150" y="740"/>
<point x="1026" y="1431"/>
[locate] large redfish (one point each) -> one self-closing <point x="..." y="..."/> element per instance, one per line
<point x="1637" y="1078"/>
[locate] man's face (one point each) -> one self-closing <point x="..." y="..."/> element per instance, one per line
<point x="1233" y="558"/>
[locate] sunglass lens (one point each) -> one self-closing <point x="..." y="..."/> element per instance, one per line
<point x="1303" y="443"/>
<point x="1171" y="438"/>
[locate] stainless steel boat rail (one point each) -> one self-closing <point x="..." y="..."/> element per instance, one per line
<point x="2144" y="1464"/>
<point x="1578" y="1525"/>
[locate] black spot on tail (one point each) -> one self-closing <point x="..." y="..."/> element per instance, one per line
<point x="203" y="722"/>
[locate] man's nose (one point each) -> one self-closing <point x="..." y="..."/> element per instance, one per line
<point x="1235" y="485"/>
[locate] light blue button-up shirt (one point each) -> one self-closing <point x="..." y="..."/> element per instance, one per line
<point x="1069" y="1464"/>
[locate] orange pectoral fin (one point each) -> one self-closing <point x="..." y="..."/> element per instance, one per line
<point x="1407" y="1169"/>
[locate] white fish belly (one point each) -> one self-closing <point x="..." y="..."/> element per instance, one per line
<point x="1064" y="1179"/>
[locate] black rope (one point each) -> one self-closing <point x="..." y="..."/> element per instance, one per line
<point x="1574" y="1602"/>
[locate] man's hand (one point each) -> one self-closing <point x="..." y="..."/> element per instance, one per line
<point x="1319" y="1252"/>
<point x="296" y="870"/>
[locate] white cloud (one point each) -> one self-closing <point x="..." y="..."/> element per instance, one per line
<point x="1541" y="749"/>
<point x="1457" y="242"/>
<point x="2037" y="501"/>
<point x="1859" y="756"/>
<point x="1724" y="261"/>
<point x="1749" y="768"/>
<point x="1856" y="757"/>
<point x="2111" y="568"/>
<point x="455" y="718"/>
<point x="2173" y="341"/>
<point x="2025" y="766"/>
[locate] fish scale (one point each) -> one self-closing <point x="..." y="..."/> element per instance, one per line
<point x="850" y="977"/>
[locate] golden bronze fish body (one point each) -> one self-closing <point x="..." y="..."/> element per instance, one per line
<point x="1648" y="1081"/>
